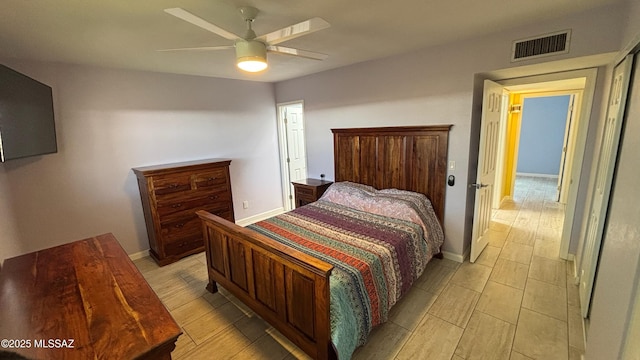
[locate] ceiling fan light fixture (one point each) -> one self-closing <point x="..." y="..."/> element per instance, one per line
<point x="254" y="65"/>
<point x="251" y="55"/>
<point x="251" y="51"/>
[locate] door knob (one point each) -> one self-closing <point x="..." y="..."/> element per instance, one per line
<point x="478" y="186"/>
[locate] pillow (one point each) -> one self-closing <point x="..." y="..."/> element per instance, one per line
<point x="348" y="194"/>
<point x="394" y="203"/>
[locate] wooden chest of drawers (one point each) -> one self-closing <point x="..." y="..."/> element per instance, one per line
<point x="171" y="194"/>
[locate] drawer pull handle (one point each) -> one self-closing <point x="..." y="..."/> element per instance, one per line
<point x="173" y="186"/>
<point x="211" y="179"/>
<point x="213" y="197"/>
<point x="175" y="206"/>
<point x="178" y="226"/>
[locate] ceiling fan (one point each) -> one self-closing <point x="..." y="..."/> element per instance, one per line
<point x="251" y="50"/>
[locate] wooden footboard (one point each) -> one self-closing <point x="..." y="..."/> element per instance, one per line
<point x="287" y="288"/>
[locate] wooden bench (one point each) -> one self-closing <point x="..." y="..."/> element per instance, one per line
<point x="82" y="300"/>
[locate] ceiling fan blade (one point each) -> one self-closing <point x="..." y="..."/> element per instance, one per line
<point x="297" y="52"/>
<point x="190" y="18"/>
<point x="204" y="48"/>
<point x="294" y="31"/>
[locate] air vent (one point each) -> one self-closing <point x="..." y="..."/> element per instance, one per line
<point x="546" y="45"/>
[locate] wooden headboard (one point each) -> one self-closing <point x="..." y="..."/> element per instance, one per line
<point x="409" y="158"/>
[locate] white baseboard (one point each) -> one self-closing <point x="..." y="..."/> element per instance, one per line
<point x="139" y="255"/>
<point x="259" y="217"/>
<point x="549" y="176"/>
<point x="455" y="257"/>
<point x="574" y="271"/>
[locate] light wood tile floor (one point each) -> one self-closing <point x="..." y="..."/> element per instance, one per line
<point x="518" y="301"/>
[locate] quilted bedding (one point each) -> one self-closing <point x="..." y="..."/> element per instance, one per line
<point x="376" y="255"/>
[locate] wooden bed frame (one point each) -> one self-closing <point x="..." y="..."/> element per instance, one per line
<point x="290" y="289"/>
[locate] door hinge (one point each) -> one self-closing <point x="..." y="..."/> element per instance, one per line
<point x="288" y="160"/>
<point x="290" y="197"/>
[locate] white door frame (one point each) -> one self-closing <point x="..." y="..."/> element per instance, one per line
<point x="580" y="141"/>
<point x="287" y="192"/>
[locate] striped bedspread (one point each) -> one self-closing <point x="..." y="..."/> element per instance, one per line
<point x="376" y="259"/>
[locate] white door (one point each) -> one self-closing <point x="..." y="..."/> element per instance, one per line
<point x="566" y="157"/>
<point x="295" y="143"/>
<point x="603" y="180"/>
<point x="293" y="156"/>
<point x="492" y="110"/>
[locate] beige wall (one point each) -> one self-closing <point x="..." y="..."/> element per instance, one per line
<point x="108" y="121"/>
<point x="9" y="239"/>
<point x="438" y="85"/>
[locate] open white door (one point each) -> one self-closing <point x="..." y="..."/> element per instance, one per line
<point x="492" y="111"/>
<point x="567" y="149"/>
<point x="295" y="139"/>
<point x="292" y="148"/>
<point x="603" y="180"/>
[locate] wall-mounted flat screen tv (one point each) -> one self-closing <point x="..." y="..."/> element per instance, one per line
<point x="27" y="124"/>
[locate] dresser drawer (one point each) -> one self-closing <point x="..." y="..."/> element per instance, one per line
<point x="176" y="229"/>
<point x="183" y="245"/>
<point x="304" y="191"/>
<point x="171" y="184"/>
<point x="178" y="225"/>
<point x="201" y="199"/>
<point x="225" y="214"/>
<point x="211" y="207"/>
<point x="212" y="178"/>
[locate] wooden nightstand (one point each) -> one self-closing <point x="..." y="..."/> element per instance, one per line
<point x="309" y="190"/>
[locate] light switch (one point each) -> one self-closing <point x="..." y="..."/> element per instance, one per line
<point x="452" y="165"/>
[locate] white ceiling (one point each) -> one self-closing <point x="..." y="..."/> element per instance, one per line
<point x="126" y="33"/>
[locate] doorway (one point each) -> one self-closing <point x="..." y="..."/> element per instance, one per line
<point x="579" y="82"/>
<point x="292" y="144"/>
<point x="543" y="142"/>
<point x="582" y="84"/>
